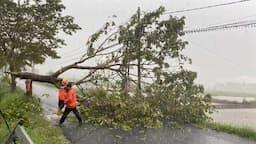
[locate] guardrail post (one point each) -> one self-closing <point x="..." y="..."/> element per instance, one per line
<point x="19" y="132"/>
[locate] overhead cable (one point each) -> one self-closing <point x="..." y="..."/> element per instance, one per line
<point x="250" y="24"/>
<point x="206" y="7"/>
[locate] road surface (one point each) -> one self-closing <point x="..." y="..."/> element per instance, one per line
<point x="88" y="134"/>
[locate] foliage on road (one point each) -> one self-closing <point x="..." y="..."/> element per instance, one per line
<point x="181" y="102"/>
<point x="120" y="111"/>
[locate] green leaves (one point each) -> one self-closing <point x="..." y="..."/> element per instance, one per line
<point x="168" y="91"/>
<point x="29" y="31"/>
<point x="177" y="99"/>
<point x="159" y="41"/>
<point x="180" y="99"/>
<point x="10" y="101"/>
<point x="119" y="111"/>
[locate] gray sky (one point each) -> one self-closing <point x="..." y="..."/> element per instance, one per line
<point x="219" y="56"/>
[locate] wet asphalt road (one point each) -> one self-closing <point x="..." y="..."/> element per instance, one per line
<point x="87" y="134"/>
<point x="99" y="135"/>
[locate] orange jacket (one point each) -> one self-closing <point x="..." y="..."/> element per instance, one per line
<point x="62" y="93"/>
<point x="70" y="99"/>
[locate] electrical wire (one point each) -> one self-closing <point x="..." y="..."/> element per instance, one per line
<point x="206" y="7"/>
<point x="234" y="23"/>
<point x="234" y="20"/>
<point x="250" y="24"/>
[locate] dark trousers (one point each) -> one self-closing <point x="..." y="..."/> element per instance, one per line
<point x="67" y="111"/>
<point x="61" y="104"/>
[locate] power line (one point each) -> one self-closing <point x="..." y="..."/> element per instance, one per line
<point x="234" y="23"/>
<point x="250" y="24"/>
<point x="206" y="7"/>
<point x="233" y="20"/>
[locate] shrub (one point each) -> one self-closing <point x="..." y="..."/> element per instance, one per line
<point x="119" y="111"/>
<point x="180" y="99"/>
<point x="176" y="99"/>
<point x="16" y="106"/>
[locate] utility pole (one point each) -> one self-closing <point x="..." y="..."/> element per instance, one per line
<point x="138" y="45"/>
<point x="127" y="68"/>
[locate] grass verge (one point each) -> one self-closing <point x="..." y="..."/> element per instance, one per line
<point x="15" y="106"/>
<point x="244" y="132"/>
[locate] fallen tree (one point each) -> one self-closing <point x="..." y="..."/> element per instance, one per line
<point x="135" y="75"/>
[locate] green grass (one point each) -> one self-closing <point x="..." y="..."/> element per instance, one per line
<point x="230" y="93"/>
<point x="244" y="132"/>
<point x="15" y="106"/>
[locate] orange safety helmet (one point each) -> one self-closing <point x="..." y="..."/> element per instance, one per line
<point x="64" y="82"/>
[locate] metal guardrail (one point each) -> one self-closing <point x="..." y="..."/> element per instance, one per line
<point x="18" y="132"/>
<point x="6" y="123"/>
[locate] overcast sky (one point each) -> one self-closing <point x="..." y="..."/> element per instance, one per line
<point x="219" y="56"/>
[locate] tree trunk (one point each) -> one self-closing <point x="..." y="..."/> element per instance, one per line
<point x="13" y="80"/>
<point x="36" y="77"/>
<point x="28" y="84"/>
<point x="13" y="83"/>
<point x="30" y="91"/>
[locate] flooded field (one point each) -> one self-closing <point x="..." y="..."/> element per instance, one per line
<point x="236" y="117"/>
<point x="240" y="113"/>
<point x="238" y="99"/>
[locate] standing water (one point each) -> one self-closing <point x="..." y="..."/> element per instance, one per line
<point x="240" y="111"/>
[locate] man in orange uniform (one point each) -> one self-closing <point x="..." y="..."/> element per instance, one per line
<point x="70" y="102"/>
<point x="62" y="94"/>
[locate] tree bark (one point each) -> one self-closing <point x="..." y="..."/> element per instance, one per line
<point x="13" y="83"/>
<point x="13" y="80"/>
<point x="31" y="88"/>
<point x="36" y="77"/>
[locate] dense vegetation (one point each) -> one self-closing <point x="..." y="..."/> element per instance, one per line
<point x="135" y="73"/>
<point x="147" y="82"/>
<point x="16" y="106"/>
<point x="181" y="102"/>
